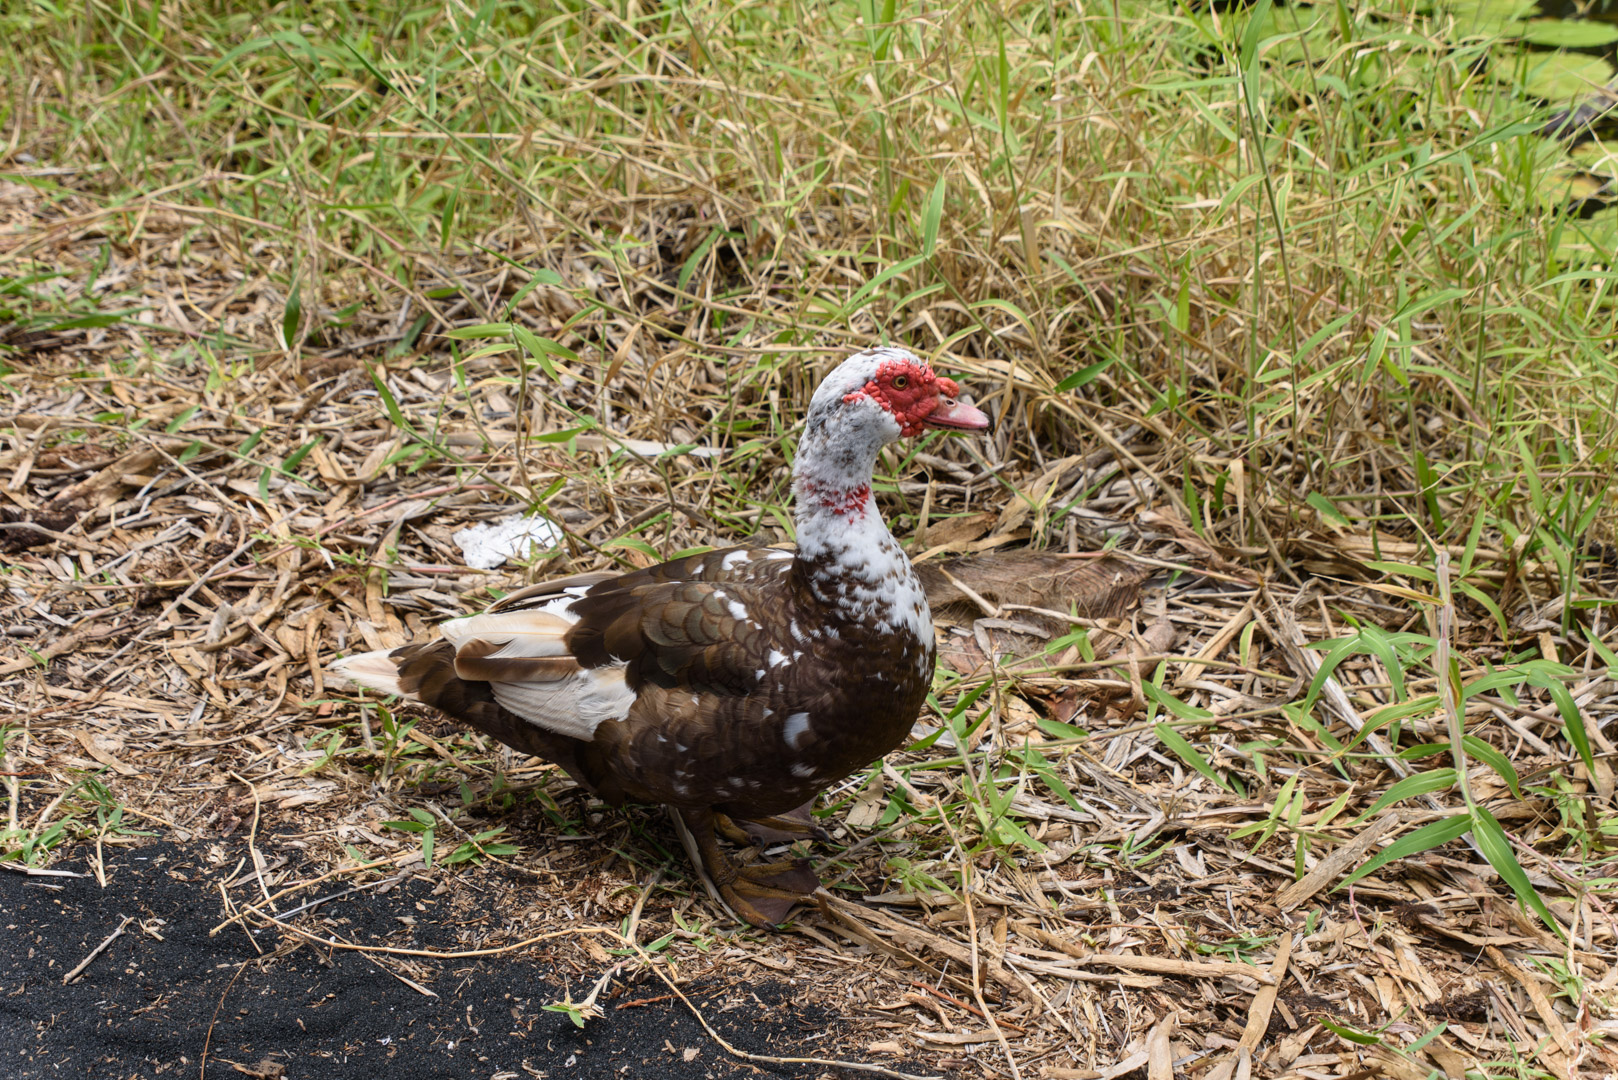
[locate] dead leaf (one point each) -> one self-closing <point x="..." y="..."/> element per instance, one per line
<point x="959" y="529"/>
<point x="867" y="809"/>
<point x="1094" y="588"/>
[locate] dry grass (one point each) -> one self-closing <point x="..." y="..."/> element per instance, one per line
<point x="292" y="297"/>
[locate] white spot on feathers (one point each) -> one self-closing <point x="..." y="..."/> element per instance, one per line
<point x="802" y="771"/>
<point x="780" y="554"/>
<point x="738" y="611"/>
<point x="777" y="658"/>
<point x="733" y="560"/>
<point x="795" y="728"/>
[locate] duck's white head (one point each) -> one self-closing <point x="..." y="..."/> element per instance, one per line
<point x="869" y="400"/>
<point x="886" y="394"/>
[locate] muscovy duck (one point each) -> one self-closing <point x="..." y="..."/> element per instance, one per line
<point x="733" y="686"/>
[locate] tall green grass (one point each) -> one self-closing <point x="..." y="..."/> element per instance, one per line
<point x="1319" y="243"/>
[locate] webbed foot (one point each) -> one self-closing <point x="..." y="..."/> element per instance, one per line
<point x="765" y="893"/>
<point x="762" y="894"/>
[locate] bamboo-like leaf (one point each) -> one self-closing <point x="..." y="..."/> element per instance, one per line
<point x="1494" y="759"/>
<point x="294" y="459"/>
<point x="481" y="330"/>
<point x="694" y="260"/>
<point x="1485" y="601"/>
<point x="1188" y="753"/>
<point x="1339" y="651"/>
<point x="292" y="317"/>
<point x="1572" y="717"/>
<point x="446" y="220"/>
<point x="1084" y="376"/>
<point x="1607" y="656"/>
<point x="931" y="217"/>
<point x="181" y="420"/>
<point x="1409" y="787"/>
<point x="389" y="402"/>
<point x="1181" y="709"/>
<point x="1425" y="838"/>
<point x="863" y="293"/>
<point x="1326" y="508"/>
<point x="1353" y="1035"/>
<point x="1496" y="847"/>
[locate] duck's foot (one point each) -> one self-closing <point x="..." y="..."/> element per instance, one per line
<point x="762" y="894"/>
<point x="784" y="828"/>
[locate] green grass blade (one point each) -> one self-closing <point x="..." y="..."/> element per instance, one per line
<point x="1429" y="836"/>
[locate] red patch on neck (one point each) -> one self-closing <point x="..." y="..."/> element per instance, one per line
<point x="850" y="502"/>
<point x="911" y="403"/>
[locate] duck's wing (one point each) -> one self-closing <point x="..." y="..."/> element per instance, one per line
<point x="572" y="653"/>
<point x="706" y="636"/>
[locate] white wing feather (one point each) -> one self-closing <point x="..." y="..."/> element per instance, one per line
<point x="372" y="670"/>
<point x="575" y="705"/>
<point x="530" y="632"/>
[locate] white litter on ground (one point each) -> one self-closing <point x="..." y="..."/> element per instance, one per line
<point x="486" y="545"/>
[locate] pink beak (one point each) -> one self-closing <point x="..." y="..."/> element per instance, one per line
<point x="953" y="415"/>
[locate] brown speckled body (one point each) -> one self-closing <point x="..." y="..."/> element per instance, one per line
<point x="712" y="723"/>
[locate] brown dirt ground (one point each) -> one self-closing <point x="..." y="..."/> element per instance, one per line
<point x="196" y="520"/>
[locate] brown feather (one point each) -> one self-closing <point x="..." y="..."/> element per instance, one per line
<point x="544" y="591"/>
<point x="510" y="669"/>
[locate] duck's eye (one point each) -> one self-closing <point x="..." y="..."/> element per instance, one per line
<point x="901" y="381"/>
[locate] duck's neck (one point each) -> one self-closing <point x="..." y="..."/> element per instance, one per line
<point x="848" y="559"/>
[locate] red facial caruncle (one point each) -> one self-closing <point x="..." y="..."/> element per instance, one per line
<point x="909" y="391"/>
